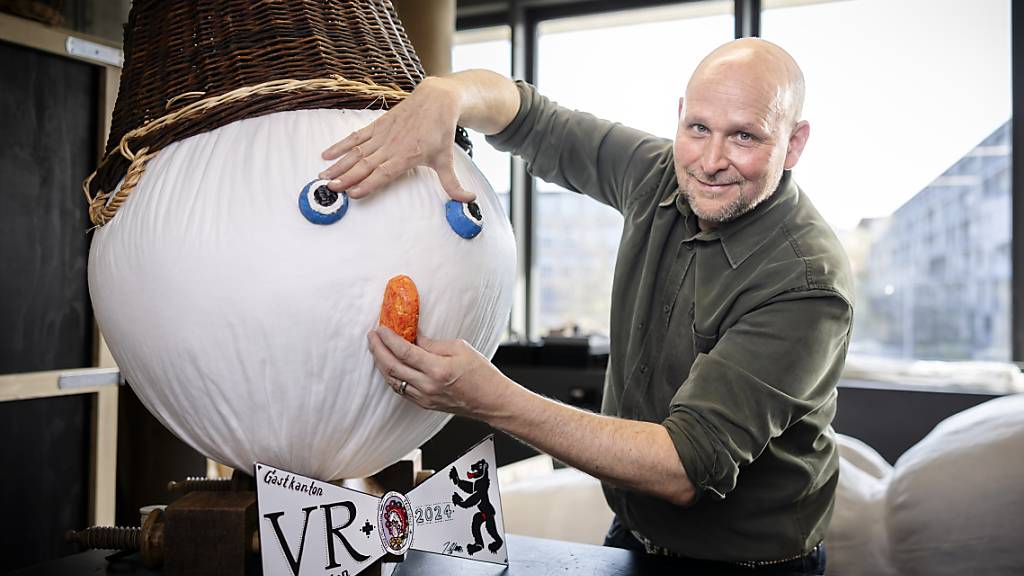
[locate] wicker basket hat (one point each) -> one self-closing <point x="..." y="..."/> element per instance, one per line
<point x="195" y="65"/>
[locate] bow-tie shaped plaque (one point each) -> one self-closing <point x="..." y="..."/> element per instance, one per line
<point x="309" y="527"/>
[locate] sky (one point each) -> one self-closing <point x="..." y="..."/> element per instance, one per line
<point x="897" y="90"/>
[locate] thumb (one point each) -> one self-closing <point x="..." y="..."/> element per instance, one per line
<point x="439" y="347"/>
<point x="450" y="182"/>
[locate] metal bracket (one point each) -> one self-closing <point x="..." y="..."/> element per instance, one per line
<point x="93" y="51"/>
<point x="89" y="378"/>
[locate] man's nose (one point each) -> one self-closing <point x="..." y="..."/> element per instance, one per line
<point x="713" y="160"/>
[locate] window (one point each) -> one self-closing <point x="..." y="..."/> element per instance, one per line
<point x="596" y="64"/>
<point x="909" y="161"/>
<point x="491" y="49"/>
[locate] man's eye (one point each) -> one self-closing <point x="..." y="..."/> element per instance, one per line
<point x="700" y="128"/>
<point x="745" y="137"/>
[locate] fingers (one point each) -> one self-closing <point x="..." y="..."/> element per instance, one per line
<point x="351" y="157"/>
<point x="372" y="157"/>
<point x="364" y="175"/>
<point x="450" y="182"/>
<point x="413" y="393"/>
<point x="408" y="354"/>
<point x="348" y="142"/>
<point x="382" y="175"/>
<point x="438" y="347"/>
<point x="391" y="367"/>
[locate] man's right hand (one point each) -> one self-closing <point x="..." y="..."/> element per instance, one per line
<point x="420" y="131"/>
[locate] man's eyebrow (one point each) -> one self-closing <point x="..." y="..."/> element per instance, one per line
<point x="751" y="127"/>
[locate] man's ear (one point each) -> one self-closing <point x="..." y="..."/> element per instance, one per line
<point x="797" y="141"/>
<point x="680" y="112"/>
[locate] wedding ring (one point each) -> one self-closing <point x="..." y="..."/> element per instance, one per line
<point x="402" y="387"/>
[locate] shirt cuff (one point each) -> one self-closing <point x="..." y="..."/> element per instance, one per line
<point x="700" y="453"/>
<point x="513" y="134"/>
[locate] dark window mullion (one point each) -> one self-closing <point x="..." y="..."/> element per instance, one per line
<point x="521" y="199"/>
<point x="747" y="18"/>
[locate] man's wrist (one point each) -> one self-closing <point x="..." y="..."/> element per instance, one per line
<point x="448" y="88"/>
<point x="505" y="403"/>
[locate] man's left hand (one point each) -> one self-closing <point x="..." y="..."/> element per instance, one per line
<point x="444" y="375"/>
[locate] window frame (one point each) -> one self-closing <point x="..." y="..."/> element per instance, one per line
<point x="523" y="18"/>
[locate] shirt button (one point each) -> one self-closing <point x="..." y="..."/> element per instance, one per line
<point x="640" y="325"/>
<point x="666" y="308"/>
<point x="643" y="368"/>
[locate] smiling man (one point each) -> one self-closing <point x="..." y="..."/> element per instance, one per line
<point x="731" y="307"/>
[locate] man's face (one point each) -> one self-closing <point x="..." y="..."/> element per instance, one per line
<point x="731" y="144"/>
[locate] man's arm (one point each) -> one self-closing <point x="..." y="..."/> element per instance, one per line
<point x="420" y="131"/>
<point x="614" y="164"/>
<point x="629" y="454"/>
<point x="451" y="376"/>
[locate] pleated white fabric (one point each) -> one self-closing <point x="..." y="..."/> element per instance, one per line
<point x="242" y="326"/>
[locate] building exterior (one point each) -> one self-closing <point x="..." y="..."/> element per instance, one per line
<point x="934" y="280"/>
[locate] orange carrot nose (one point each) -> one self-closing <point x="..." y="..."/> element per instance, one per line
<point x="400" y="310"/>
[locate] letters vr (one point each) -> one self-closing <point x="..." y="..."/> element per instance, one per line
<point x="309" y="527"/>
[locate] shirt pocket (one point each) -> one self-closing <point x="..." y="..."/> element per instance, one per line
<point x="702" y="343"/>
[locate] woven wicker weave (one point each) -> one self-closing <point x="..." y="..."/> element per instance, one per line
<point x="216" y="62"/>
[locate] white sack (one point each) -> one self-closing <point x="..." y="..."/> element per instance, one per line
<point x="242" y="326"/>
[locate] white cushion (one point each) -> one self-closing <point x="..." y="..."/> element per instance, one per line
<point x="956" y="499"/>
<point x="563" y="504"/>
<point x="856" y="542"/>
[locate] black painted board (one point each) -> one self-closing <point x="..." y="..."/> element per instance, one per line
<point x="892" y="420"/>
<point x="148" y="457"/>
<point x="44" y="459"/>
<point x="48" y="135"/>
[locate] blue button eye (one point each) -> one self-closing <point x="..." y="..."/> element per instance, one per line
<point x="465" y="218"/>
<point x="321" y="205"/>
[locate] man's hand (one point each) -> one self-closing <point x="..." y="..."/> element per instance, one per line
<point x="450" y="376"/>
<point x="445" y="375"/>
<point x="419" y="131"/>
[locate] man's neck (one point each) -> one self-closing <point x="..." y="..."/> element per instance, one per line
<point x="706" y="225"/>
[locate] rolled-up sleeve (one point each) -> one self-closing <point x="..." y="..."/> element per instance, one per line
<point x="772" y="368"/>
<point x="579" y="151"/>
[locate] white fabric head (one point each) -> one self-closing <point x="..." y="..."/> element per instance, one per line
<point x="242" y="326"/>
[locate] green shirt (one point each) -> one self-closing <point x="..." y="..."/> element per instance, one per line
<point x="733" y="339"/>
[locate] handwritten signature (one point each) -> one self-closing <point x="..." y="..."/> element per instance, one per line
<point x="451" y="548"/>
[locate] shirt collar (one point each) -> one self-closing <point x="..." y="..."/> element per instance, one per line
<point x="744" y="235"/>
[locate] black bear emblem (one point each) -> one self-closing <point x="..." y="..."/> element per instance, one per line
<point x="477" y="487"/>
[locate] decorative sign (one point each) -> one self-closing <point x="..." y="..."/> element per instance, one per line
<point x="309" y="527"/>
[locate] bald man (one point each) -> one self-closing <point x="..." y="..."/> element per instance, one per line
<point x="731" y="307"/>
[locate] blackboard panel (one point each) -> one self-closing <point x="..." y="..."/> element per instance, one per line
<point x="44" y="459"/>
<point x="48" y="134"/>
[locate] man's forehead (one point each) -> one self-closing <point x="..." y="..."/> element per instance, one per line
<point x="738" y="110"/>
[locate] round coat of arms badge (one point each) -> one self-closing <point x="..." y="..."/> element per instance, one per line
<point x="394" y="519"/>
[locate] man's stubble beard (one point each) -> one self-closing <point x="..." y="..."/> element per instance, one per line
<point x="734" y="209"/>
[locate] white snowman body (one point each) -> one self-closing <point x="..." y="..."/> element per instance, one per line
<point x="242" y="326"/>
